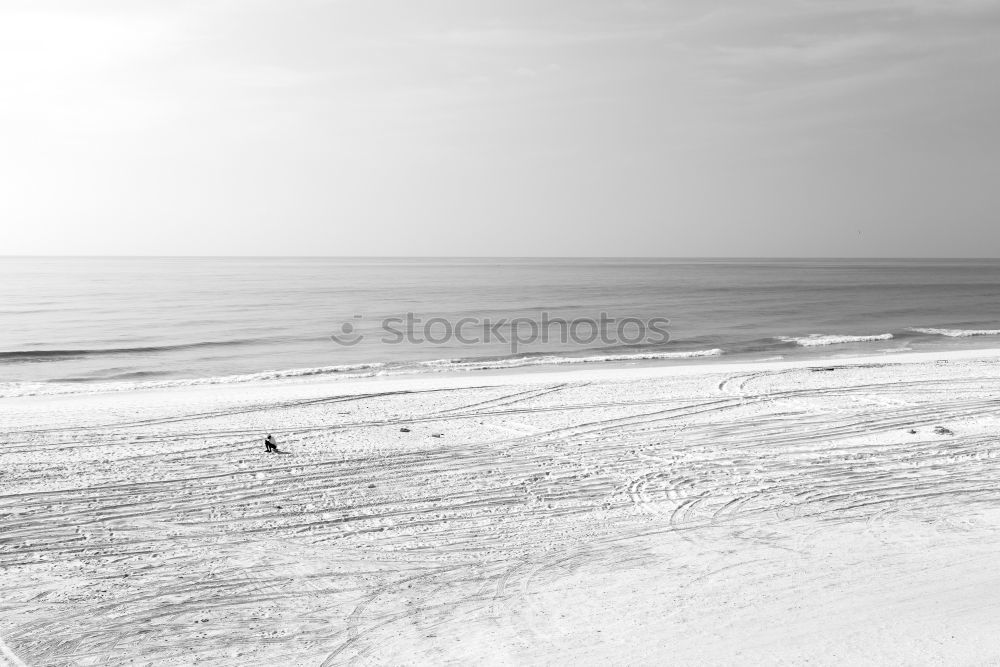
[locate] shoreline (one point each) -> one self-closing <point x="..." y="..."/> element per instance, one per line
<point x="28" y="375"/>
<point x="596" y="371"/>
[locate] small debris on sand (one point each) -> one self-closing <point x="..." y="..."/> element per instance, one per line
<point x="404" y="430"/>
<point x="941" y="430"/>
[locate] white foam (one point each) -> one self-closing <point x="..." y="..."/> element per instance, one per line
<point x="818" y="340"/>
<point x="549" y="360"/>
<point x="349" y="371"/>
<point x="302" y="372"/>
<point x="18" y="389"/>
<point x="958" y="333"/>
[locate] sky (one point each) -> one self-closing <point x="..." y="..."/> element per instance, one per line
<point x="847" y="128"/>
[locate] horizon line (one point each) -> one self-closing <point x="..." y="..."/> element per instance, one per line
<point x="531" y="257"/>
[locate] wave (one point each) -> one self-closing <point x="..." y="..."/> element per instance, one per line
<point x="72" y="385"/>
<point x="302" y="372"/>
<point x="113" y="377"/>
<point x="53" y="355"/>
<point x="345" y="371"/>
<point x="555" y="360"/>
<point x="818" y="340"/>
<point x="957" y="333"/>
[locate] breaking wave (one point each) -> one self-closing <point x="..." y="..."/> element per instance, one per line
<point x="346" y="371"/>
<point x="957" y="333"/>
<point x="818" y="340"/>
<point x="549" y="360"/>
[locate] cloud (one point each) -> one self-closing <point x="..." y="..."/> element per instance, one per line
<point x="520" y="37"/>
<point x="781" y="45"/>
<point x="812" y="51"/>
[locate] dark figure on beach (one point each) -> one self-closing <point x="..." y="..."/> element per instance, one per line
<point x="269" y="444"/>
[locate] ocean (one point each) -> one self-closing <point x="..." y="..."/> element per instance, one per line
<point x="72" y="322"/>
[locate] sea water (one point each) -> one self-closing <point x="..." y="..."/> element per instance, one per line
<point x="74" y="321"/>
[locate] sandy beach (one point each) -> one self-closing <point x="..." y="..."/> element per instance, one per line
<point x="837" y="512"/>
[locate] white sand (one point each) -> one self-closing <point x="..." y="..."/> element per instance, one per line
<point x="749" y="514"/>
